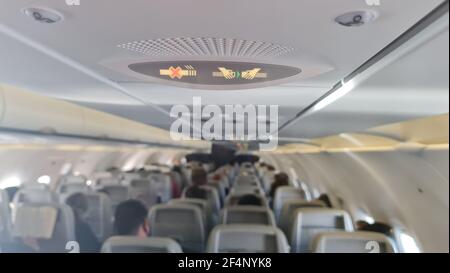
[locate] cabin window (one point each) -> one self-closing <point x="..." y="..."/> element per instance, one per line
<point x="407" y="243"/>
<point x="12" y="181"/>
<point x="315" y="193"/>
<point x="44" y="179"/>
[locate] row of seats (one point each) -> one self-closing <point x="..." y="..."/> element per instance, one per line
<point x="217" y="224"/>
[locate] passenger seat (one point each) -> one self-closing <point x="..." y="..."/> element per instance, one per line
<point x="233" y="199"/>
<point x="284" y="194"/>
<point x="181" y="222"/>
<point x="116" y="193"/>
<point x="352" y="242"/>
<point x="289" y="207"/>
<point x="133" y="244"/>
<point x="308" y="222"/>
<point x="247" y="215"/>
<point x="247" y="239"/>
<point x="38" y="221"/>
<point x="162" y="185"/>
<point x="99" y="214"/>
<point x="143" y="190"/>
<point x="202" y="205"/>
<point x="34" y="194"/>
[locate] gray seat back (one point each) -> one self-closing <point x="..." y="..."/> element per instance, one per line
<point x="143" y="190"/>
<point x="246" y="189"/>
<point x="308" y="222"/>
<point x="116" y="193"/>
<point x="287" y="212"/>
<point x="99" y="215"/>
<point x="284" y="193"/>
<point x="36" y="221"/>
<point x="352" y="242"/>
<point x="220" y="187"/>
<point x="233" y="199"/>
<point x="162" y="186"/>
<point x="202" y="205"/>
<point x="181" y="222"/>
<point x="247" y="215"/>
<point x="31" y="195"/>
<point x="133" y="244"/>
<point x="247" y="239"/>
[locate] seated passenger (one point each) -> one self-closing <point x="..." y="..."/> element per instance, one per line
<point x="281" y="179"/>
<point x="249" y="200"/>
<point x="83" y="233"/>
<point x="379" y="227"/>
<point x="131" y="219"/>
<point x="199" y="178"/>
<point x="325" y="199"/>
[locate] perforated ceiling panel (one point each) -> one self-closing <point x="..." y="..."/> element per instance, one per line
<point x="186" y="46"/>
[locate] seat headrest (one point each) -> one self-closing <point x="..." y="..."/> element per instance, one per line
<point x="175" y="213"/>
<point x="108" y="181"/>
<point x="352" y="242"/>
<point x="323" y="217"/>
<point x="133" y="244"/>
<point x="34" y="195"/>
<point x="73" y="179"/>
<point x="116" y="192"/>
<point x="289" y="191"/>
<point x="247" y="215"/>
<point x="140" y="183"/>
<point x="201" y="203"/>
<point x="247" y="238"/>
<point x="73" y="187"/>
<point x="234" y="197"/>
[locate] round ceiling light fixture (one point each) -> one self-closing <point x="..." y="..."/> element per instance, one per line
<point x="356" y="18"/>
<point x="43" y="15"/>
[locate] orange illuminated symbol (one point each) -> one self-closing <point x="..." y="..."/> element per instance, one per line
<point x="178" y="72"/>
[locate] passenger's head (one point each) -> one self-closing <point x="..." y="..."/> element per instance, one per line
<point x="360" y="224"/>
<point x="199" y="176"/>
<point x="249" y="199"/>
<point x="376" y="227"/>
<point x="78" y="203"/>
<point x="282" y="179"/>
<point x="325" y="199"/>
<point x="216" y="177"/>
<point x="131" y="219"/>
<point x="176" y="168"/>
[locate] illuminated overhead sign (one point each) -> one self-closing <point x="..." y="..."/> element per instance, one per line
<point x="178" y="72"/>
<point x="214" y="73"/>
<point x="230" y="74"/>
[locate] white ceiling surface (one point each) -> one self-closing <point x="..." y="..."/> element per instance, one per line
<point x="91" y="32"/>
<point x="414" y="86"/>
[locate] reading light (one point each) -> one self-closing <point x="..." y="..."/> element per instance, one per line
<point x="42" y="15"/>
<point x="356" y="18"/>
